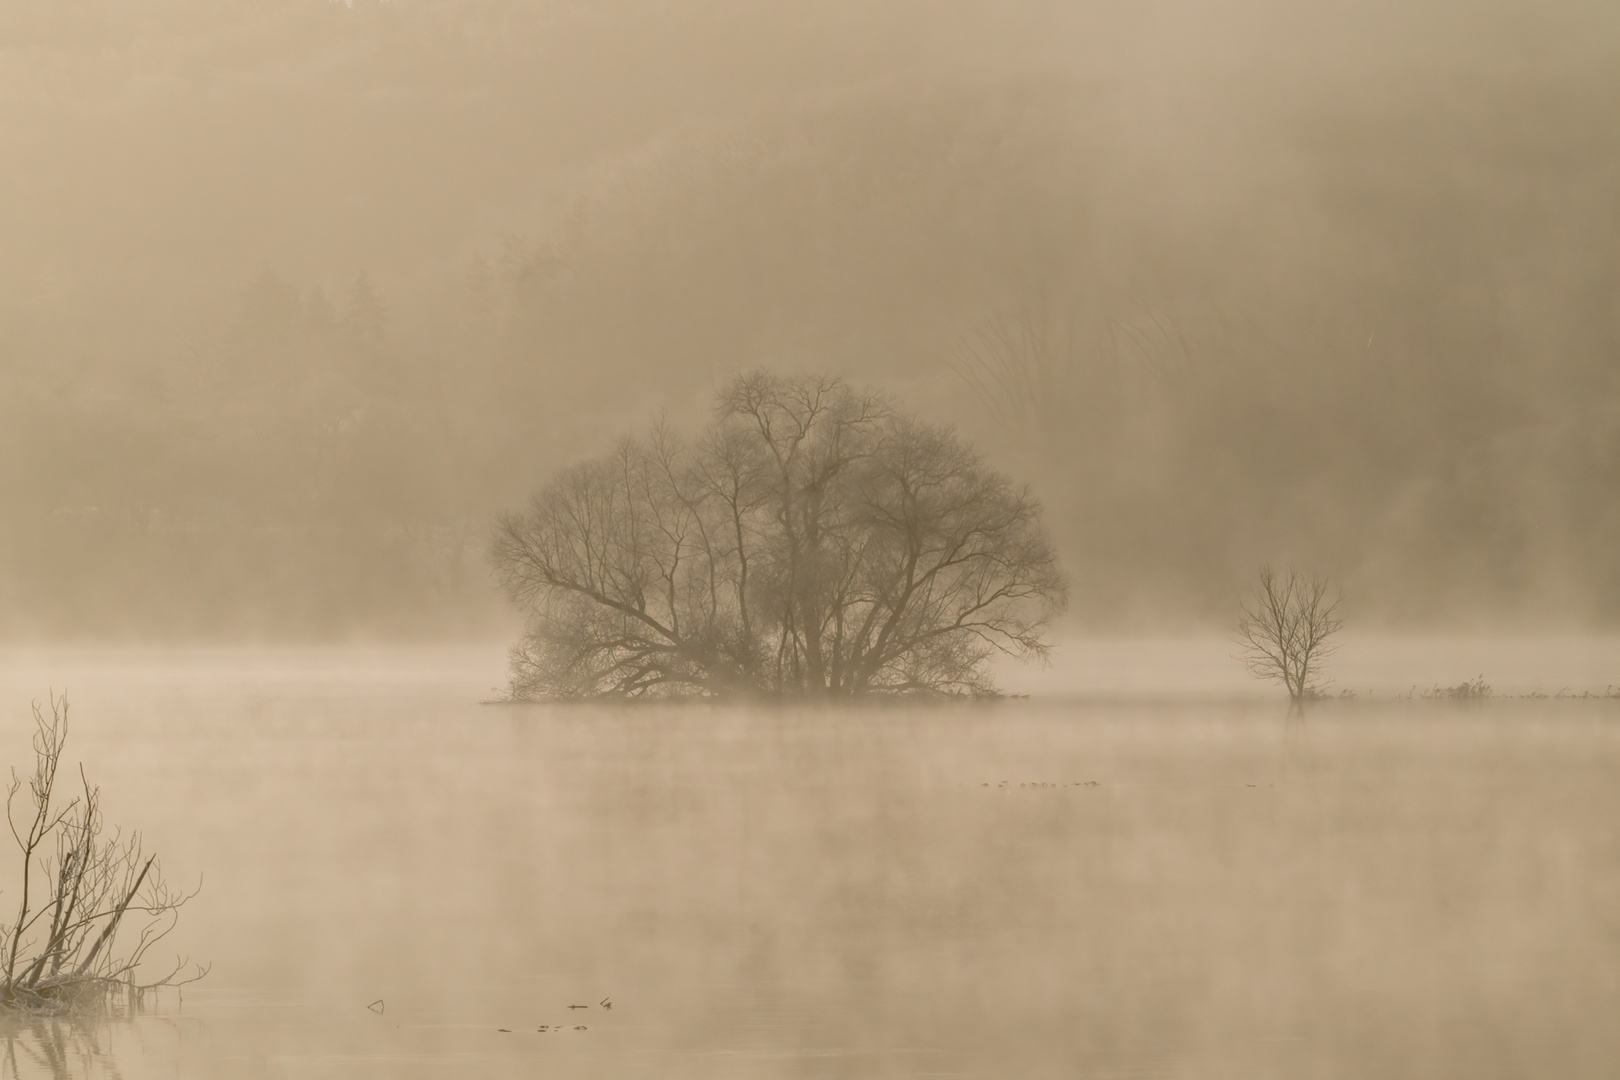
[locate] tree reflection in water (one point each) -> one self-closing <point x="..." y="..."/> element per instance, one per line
<point x="60" y="1047"/>
<point x="68" y="1046"/>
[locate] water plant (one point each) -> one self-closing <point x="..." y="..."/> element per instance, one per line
<point x="1475" y="689"/>
<point x="86" y="891"/>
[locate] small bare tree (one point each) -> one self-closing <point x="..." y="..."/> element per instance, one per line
<point x="1287" y="629"/>
<point x="79" y="888"/>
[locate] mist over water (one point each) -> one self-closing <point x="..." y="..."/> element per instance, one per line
<point x="298" y="298"/>
<point x="1102" y="886"/>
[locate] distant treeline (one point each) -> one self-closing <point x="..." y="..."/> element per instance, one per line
<point x="299" y="296"/>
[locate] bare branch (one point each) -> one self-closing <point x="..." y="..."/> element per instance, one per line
<point x="1287" y="629"/>
<point x="91" y="882"/>
<point x="813" y="541"/>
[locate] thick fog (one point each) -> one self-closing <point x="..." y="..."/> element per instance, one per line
<point x="297" y="296"/>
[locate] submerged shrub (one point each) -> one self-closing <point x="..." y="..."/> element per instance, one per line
<point x="85" y="893"/>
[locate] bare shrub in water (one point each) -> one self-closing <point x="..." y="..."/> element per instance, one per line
<point x="1475" y="689"/>
<point x="81" y="888"/>
<point x="812" y="541"/>
<point x="1286" y="630"/>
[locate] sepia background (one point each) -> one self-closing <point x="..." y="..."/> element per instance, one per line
<point x="297" y="296"/>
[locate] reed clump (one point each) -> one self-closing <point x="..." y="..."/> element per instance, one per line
<point x="1475" y="689"/>
<point x="92" y="901"/>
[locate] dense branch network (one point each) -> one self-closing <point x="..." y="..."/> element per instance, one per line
<point x="84" y="892"/>
<point x="1287" y="628"/>
<point x="812" y="541"/>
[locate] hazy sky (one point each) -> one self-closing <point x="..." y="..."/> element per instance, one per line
<point x="296" y="296"/>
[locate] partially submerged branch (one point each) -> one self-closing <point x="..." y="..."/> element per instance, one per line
<point x="80" y="887"/>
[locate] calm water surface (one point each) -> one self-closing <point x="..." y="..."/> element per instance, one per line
<point x="1123" y="886"/>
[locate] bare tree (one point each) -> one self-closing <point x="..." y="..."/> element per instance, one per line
<point x="80" y="888"/>
<point x="812" y="542"/>
<point x="1287" y="630"/>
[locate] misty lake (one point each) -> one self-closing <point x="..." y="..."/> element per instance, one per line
<point x="1122" y="876"/>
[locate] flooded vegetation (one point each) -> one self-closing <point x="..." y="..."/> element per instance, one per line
<point x="78" y="883"/>
<point x="814" y="542"/>
<point x="536" y="504"/>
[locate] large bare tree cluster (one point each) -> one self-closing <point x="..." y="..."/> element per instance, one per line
<point x="813" y="541"/>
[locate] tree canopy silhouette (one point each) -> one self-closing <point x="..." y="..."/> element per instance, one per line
<point x="812" y="541"/>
